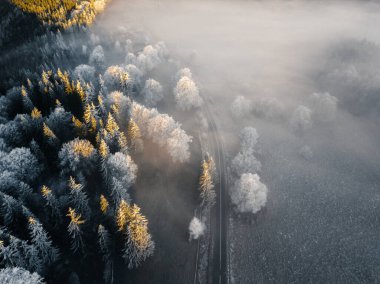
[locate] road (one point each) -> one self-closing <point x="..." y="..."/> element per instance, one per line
<point x="219" y="271"/>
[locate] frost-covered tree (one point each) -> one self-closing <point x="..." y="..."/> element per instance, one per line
<point x="152" y="92"/>
<point x="301" y="119"/>
<point x="78" y="198"/>
<point x="139" y="244"/>
<point x="104" y="240"/>
<point x="148" y="59"/>
<point x="269" y="108"/>
<point x="241" y="107"/>
<point x="59" y="122"/>
<point x="48" y="253"/>
<point x="75" y="231"/>
<point x="19" y="253"/>
<point x="53" y="203"/>
<point x="135" y="74"/>
<point x="116" y="78"/>
<point x="122" y="168"/>
<point x="249" y="194"/>
<point x="162" y="129"/>
<point x="184" y="72"/>
<point x="248" y="138"/>
<point x="10" y="208"/>
<point x="178" y="145"/>
<point x="97" y="57"/>
<point x="196" y="228"/>
<point x="245" y="162"/>
<point x="77" y="156"/>
<point x="22" y="163"/>
<point x="11" y="132"/>
<point x="186" y="94"/>
<point x="119" y="191"/>
<point x="206" y="183"/>
<point x="17" y="275"/>
<point x="84" y="73"/>
<point x="3" y="146"/>
<point x="324" y="106"/>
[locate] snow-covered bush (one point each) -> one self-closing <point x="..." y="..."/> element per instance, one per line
<point x="249" y="194"/>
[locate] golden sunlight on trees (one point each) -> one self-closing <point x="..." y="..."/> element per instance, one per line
<point x="103" y="204"/>
<point x="63" y="13"/>
<point x="138" y="243"/>
<point x="74" y="229"/>
<point x="134" y="135"/>
<point x="206" y="184"/>
<point x="35" y="114"/>
<point x="48" y="132"/>
<point x="83" y="148"/>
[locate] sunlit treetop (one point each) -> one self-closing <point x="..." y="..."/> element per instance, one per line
<point x="63" y="13"/>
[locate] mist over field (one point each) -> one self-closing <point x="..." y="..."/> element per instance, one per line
<point x="321" y="220"/>
<point x="198" y="141"/>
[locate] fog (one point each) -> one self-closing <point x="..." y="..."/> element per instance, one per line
<point x="308" y="72"/>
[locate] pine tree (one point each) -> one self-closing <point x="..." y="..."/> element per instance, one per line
<point x="78" y="198"/>
<point x="52" y="202"/>
<point x="104" y="240"/>
<point x="48" y="253"/>
<point x="74" y="230"/>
